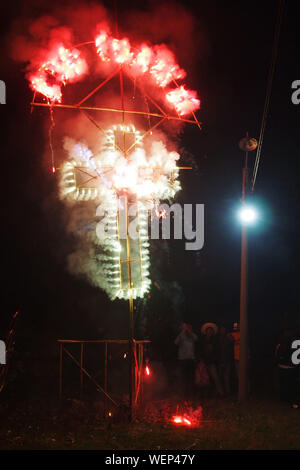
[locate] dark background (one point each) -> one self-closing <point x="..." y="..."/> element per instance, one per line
<point x="230" y="75"/>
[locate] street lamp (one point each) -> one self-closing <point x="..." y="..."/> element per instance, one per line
<point x="247" y="215"/>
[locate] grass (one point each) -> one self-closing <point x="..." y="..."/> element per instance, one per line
<point x="261" y="424"/>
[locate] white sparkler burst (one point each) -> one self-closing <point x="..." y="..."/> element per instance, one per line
<point x="121" y="167"/>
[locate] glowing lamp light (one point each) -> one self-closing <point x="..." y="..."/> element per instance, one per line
<point x="247" y="215"/>
<point x="147" y="370"/>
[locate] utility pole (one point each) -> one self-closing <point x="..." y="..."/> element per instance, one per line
<point x="248" y="216"/>
<point x="243" y="363"/>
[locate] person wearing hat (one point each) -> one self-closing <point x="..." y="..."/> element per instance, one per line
<point x="210" y="353"/>
<point x="186" y="355"/>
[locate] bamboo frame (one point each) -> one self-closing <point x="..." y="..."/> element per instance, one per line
<point x="169" y="117"/>
<point x="138" y="369"/>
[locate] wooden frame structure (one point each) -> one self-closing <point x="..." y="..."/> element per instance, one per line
<point x="138" y="352"/>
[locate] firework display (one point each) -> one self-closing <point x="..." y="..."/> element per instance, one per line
<point x="61" y="66"/>
<point x="131" y="170"/>
<point x="114" y="180"/>
<point x="156" y="63"/>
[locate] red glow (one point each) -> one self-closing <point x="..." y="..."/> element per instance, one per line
<point x="102" y="46"/>
<point x="187" y="421"/>
<point x="121" y="51"/>
<point x="158" y="61"/>
<point x="64" y="64"/>
<point x="143" y="59"/>
<point x="184" y="101"/>
<point x="61" y="66"/>
<point x="164" y="68"/>
<point x="39" y="84"/>
<point x="177" y="419"/>
<point x="157" y="64"/>
<point x="147" y="370"/>
<point x="181" y="420"/>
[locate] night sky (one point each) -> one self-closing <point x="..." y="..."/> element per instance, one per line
<point x="230" y="74"/>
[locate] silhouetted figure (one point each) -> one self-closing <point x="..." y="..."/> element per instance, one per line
<point x="186" y="357"/>
<point x="288" y="372"/>
<point x="210" y="353"/>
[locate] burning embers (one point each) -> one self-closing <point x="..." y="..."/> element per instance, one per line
<point x="181" y="420"/>
<point x="154" y="65"/>
<point x="61" y="66"/>
<point x="158" y="61"/>
<point x="163" y="412"/>
<point x="187" y="416"/>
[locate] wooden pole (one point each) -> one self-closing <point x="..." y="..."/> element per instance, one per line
<point x="243" y="361"/>
<point x="81" y="373"/>
<point x="131" y="358"/>
<point x="141" y="346"/>
<point x="105" y="374"/>
<point x="60" y="372"/>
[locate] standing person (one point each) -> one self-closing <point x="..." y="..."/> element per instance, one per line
<point x="226" y="359"/>
<point x="210" y="354"/>
<point x="288" y="371"/>
<point x="186" y="355"/>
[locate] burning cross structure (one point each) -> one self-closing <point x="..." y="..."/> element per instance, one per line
<point x="126" y="183"/>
